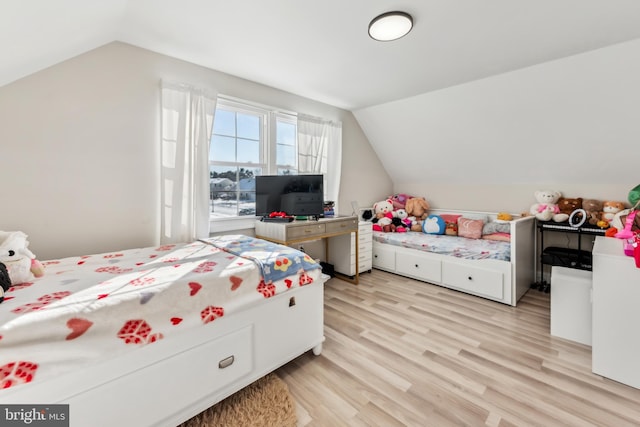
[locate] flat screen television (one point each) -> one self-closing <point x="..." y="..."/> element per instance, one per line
<point x="298" y="195"/>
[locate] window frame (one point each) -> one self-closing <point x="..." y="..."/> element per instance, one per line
<point x="268" y="152"/>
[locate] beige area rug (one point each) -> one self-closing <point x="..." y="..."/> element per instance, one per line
<point x="264" y="403"/>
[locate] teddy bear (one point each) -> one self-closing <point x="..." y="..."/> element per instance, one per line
<point x="610" y="209"/>
<point x="593" y="208"/>
<point x="567" y="205"/>
<point x="546" y="208"/>
<point x="381" y="208"/>
<point x="417" y="207"/>
<point x="20" y="262"/>
<point x="380" y="211"/>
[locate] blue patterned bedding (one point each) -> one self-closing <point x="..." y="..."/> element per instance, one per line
<point x="275" y="261"/>
<point x="459" y="247"/>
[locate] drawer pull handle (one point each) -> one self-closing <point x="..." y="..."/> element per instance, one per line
<point x="225" y="363"/>
<point x="375" y="256"/>
<point x="417" y="266"/>
<point x="470" y="278"/>
<point x="292" y="301"/>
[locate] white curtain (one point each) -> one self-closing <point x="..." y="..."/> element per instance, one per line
<point x="320" y="152"/>
<point x="187" y="121"/>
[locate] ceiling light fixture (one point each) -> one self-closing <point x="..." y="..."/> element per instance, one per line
<point x="390" y="26"/>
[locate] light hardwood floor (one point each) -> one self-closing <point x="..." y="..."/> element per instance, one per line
<point x="399" y="352"/>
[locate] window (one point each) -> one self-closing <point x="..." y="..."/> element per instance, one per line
<point x="247" y="141"/>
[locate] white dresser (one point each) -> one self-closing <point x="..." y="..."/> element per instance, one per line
<point x="616" y="313"/>
<point x="342" y="250"/>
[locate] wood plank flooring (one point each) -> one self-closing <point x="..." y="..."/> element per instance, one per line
<point x="399" y="352"/>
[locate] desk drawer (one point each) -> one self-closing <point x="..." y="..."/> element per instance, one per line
<point x="342" y="226"/>
<point x="312" y="229"/>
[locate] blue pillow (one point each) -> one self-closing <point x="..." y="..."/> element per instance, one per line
<point x="434" y="224"/>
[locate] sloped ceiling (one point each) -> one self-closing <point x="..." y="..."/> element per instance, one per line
<point x="321" y="50"/>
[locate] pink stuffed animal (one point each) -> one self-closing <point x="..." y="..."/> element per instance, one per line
<point x="399" y="200"/>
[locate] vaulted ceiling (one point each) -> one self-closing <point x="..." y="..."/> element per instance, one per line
<point x="320" y="49"/>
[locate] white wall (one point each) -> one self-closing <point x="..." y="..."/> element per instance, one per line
<point x="80" y="148"/>
<point x="571" y="125"/>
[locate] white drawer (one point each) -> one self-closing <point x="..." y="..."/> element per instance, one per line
<point x="364" y="256"/>
<point x="419" y="267"/>
<point x="219" y="362"/>
<point x="480" y="281"/>
<point x="365" y="265"/>
<point x="365" y="227"/>
<point x="364" y="250"/>
<point x="384" y="258"/>
<point x="365" y="239"/>
<point x="298" y="307"/>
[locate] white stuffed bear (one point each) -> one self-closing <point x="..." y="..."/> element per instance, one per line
<point x="382" y="208"/>
<point x="382" y="214"/>
<point x="547" y="207"/>
<point x="21" y="263"/>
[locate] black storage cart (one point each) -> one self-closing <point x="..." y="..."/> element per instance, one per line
<point x="564" y="257"/>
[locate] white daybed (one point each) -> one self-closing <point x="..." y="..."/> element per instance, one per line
<point x="504" y="280"/>
<point x="153" y="336"/>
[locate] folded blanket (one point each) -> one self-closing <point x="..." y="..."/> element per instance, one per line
<point x="274" y="260"/>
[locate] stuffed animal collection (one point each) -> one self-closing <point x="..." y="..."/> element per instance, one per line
<point x="389" y="218"/>
<point x="552" y="206"/>
<point x="21" y="264"/>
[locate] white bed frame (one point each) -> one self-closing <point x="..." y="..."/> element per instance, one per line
<point x="176" y="378"/>
<point x="502" y="281"/>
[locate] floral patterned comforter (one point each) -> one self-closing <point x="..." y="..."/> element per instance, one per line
<point x="94" y="307"/>
<point x="460" y="247"/>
